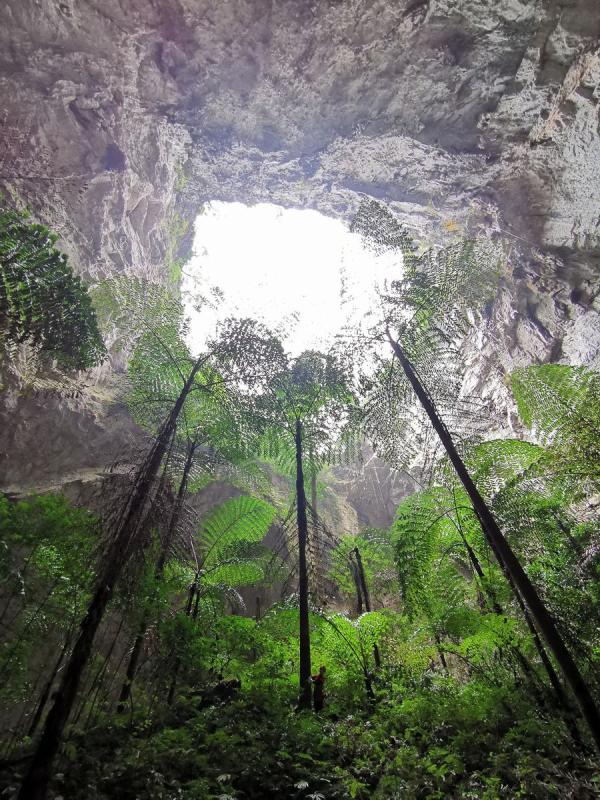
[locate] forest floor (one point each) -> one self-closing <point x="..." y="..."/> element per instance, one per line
<point x="440" y="742"/>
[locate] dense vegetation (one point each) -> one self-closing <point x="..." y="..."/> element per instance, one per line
<point x="42" y="302"/>
<point x="461" y="644"/>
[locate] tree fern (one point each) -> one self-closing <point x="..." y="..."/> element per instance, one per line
<point x="300" y="405"/>
<point x="129" y="308"/>
<point x="240" y="564"/>
<point x="439" y="301"/>
<point x="241" y="519"/>
<point x="42" y="302"/>
<point x="416" y="537"/>
<point x="536" y="511"/>
<point x="428" y="309"/>
<point x="229" y="544"/>
<point x="562" y="407"/>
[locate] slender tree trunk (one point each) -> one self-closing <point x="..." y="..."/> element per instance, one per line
<point x="356" y="579"/>
<point x="96" y="684"/>
<point x="438" y="647"/>
<point x="35" y="784"/>
<point x="196" y="605"/>
<point x="561" y="697"/>
<point x="105" y="699"/>
<point x="365" y="591"/>
<point x="563" y="700"/>
<point x="48" y="687"/>
<point x="132" y="665"/>
<point x="177" y="507"/>
<point x="528" y="671"/>
<point x="369" y="687"/>
<point x="368" y="675"/>
<point x="305" y="697"/>
<point x="188" y="610"/>
<point x="505" y="554"/>
<point x="138" y="645"/>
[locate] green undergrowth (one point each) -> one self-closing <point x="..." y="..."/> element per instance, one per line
<point x="437" y="740"/>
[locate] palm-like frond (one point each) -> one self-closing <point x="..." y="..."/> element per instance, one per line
<point x="561" y="405"/>
<point x="229" y="545"/>
<point x="316" y="389"/>
<point x="240" y="519"/>
<point x="427" y="310"/>
<point x="435" y="287"/>
<point x="128" y="308"/>
<point x="239" y="564"/>
<point x="414" y="536"/>
<point x="42" y="302"/>
<point x="499" y="463"/>
<point x="351" y="641"/>
<point x="218" y="593"/>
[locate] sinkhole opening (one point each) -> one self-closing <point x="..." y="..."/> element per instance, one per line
<point x="299" y="272"/>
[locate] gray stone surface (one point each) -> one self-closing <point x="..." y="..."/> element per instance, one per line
<point x="119" y="118"/>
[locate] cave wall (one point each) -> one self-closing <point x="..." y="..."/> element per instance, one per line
<point x="121" y="117"/>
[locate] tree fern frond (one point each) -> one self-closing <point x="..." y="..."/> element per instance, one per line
<point x="42" y="302"/>
<point x="239" y="520"/>
<point x="562" y="406"/>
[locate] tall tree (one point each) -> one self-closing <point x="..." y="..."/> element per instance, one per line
<point x="209" y="437"/>
<point x="301" y="409"/>
<point x="378" y="567"/>
<point x="130" y="528"/>
<point x="126" y="540"/>
<point x="425" y="316"/>
<point x="360" y="571"/>
<point x="439" y="524"/>
<point x="357" y="638"/>
<point x="230" y="554"/>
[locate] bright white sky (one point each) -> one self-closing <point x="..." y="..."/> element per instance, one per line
<point x="291" y="268"/>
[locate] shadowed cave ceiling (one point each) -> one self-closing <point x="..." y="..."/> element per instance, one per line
<point x="120" y="118"/>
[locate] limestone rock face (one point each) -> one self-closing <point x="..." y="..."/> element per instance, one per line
<point x="120" y="118"/>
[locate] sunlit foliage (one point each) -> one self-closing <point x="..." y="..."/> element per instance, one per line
<point x="438" y="683"/>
